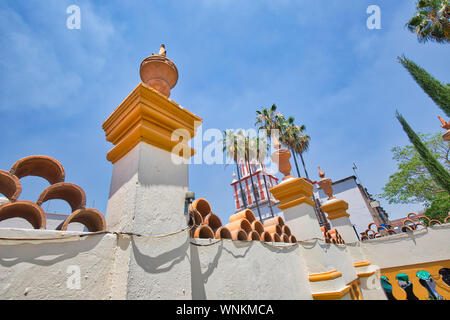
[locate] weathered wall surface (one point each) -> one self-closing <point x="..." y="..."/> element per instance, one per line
<point x="174" y="267"/>
<point x="45" y="269"/>
<point x="348" y="191"/>
<point x="420" y="246"/>
<point x="248" y="270"/>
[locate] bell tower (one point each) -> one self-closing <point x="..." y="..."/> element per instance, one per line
<point x="251" y="189"/>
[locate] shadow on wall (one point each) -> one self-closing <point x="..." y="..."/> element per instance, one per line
<point x="154" y="264"/>
<point x="34" y="253"/>
<point x="200" y="276"/>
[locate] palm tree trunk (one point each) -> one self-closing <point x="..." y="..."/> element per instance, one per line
<point x="267" y="192"/>
<point x="254" y="192"/>
<point x="319" y="214"/>
<point x="304" y="167"/>
<point x="244" y="198"/>
<point x="296" y="164"/>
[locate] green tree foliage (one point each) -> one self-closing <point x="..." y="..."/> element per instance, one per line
<point x="431" y="21"/>
<point x="421" y="176"/>
<point x="439" y="92"/>
<point x="439" y="207"/>
<point x="412" y="182"/>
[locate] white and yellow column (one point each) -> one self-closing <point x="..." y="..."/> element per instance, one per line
<point x="148" y="187"/>
<point x="326" y="282"/>
<point x="368" y="282"/>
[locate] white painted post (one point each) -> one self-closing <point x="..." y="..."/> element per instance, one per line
<point x="147" y="196"/>
<point x="298" y="208"/>
<point x="339" y="218"/>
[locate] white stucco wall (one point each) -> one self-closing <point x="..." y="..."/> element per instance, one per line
<point x="174" y="267"/>
<point x="248" y="270"/>
<point x="420" y="246"/>
<point x="42" y="269"/>
<point x="348" y="191"/>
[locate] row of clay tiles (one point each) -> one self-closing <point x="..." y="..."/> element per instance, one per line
<point x="242" y="226"/>
<point x="410" y="223"/>
<point x="331" y="236"/>
<point x="51" y="170"/>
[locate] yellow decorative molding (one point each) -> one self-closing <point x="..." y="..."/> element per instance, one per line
<point x="335" y="209"/>
<point x="296" y="202"/>
<point x="333" y="295"/>
<point x="361" y="264"/>
<point x="325" y="276"/>
<point x="366" y="274"/>
<point x="293" y="192"/>
<point x="148" y="116"/>
<point x="355" y="290"/>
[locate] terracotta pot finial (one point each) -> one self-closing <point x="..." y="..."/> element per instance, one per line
<point x="321" y="174"/>
<point x="281" y="158"/>
<point x="159" y="72"/>
<point x="326" y="185"/>
<point x="446" y="126"/>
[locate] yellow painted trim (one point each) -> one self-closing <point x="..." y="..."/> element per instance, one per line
<point x="355" y="290"/>
<point x="293" y="190"/>
<point x="361" y="264"/>
<point x="334" y="295"/>
<point x="366" y="274"/>
<point x="150" y="117"/>
<point x="338" y="215"/>
<point x="335" y="209"/>
<point x="325" y="276"/>
<point x="296" y="202"/>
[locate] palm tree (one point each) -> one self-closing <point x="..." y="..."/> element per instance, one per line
<point x="269" y="120"/>
<point x="233" y="147"/>
<point x="255" y="150"/>
<point x="431" y="22"/>
<point x="294" y="139"/>
<point x="263" y="147"/>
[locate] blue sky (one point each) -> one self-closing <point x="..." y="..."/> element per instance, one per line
<point x="315" y="59"/>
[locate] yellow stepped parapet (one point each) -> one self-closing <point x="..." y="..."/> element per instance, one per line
<point x="332" y="295"/>
<point x="148" y="116"/>
<point x="335" y="209"/>
<point x="293" y="192"/>
<point x="325" y="276"/>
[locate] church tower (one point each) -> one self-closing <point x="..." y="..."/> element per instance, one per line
<point x="252" y="190"/>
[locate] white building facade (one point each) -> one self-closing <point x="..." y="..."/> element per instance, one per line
<point x="359" y="201"/>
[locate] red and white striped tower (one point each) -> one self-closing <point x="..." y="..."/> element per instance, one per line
<point x="262" y="181"/>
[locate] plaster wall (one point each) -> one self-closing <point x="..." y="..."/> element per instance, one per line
<point x="348" y="191"/>
<point x="420" y="246"/>
<point x="173" y="267"/>
<point x="147" y="193"/>
<point x="45" y="269"/>
<point x="248" y="270"/>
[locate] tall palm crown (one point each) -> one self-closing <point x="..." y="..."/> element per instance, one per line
<point x="432" y="21"/>
<point x="255" y="148"/>
<point x="292" y="135"/>
<point x="234" y="144"/>
<point x="234" y="148"/>
<point x="270" y="120"/>
<point x="238" y="145"/>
